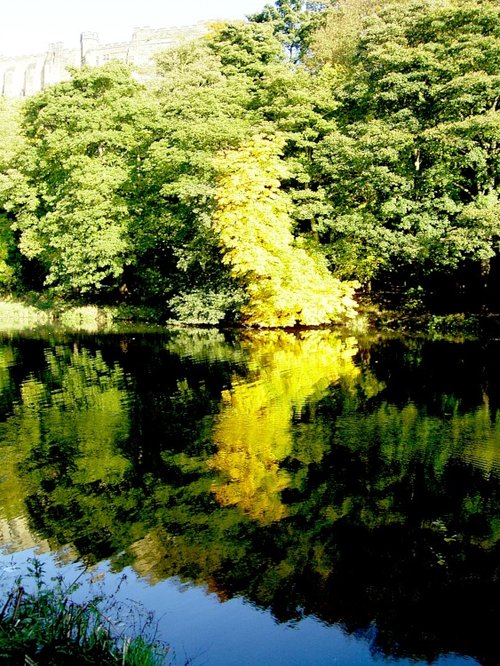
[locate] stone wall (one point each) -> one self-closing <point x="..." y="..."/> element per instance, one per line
<point x="25" y="75"/>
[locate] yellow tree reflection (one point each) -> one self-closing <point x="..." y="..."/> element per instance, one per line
<point x="253" y="430"/>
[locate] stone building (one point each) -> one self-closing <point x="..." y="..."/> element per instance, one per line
<point x="23" y="76"/>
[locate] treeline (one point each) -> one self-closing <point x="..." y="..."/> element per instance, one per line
<point x="267" y="171"/>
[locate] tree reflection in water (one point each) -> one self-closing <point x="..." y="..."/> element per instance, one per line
<point x="309" y="474"/>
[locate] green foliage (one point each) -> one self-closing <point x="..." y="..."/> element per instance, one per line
<point x="118" y="190"/>
<point x="46" y="627"/>
<point x="8" y="253"/>
<point x="366" y="182"/>
<point x="11" y="144"/>
<point x="412" y="173"/>
<point x="9" y="132"/>
<point x="246" y="48"/>
<point x="202" y="111"/>
<point x="453" y="326"/>
<point x="390" y="127"/>
<point x="336" y="39"/>
<point x="83" y="139"/>
<point x="294" y="22"/>
<point x="205" y="307"/>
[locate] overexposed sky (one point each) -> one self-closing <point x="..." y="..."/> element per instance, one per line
<point x="28" y="26"/>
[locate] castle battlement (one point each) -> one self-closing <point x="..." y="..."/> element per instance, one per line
<point x="22" y="76"/>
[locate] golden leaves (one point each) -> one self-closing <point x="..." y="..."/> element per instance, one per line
<point x="253" y="431"/>
<point x="286" y="285"/>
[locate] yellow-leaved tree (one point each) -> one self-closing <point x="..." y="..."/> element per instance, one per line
<point x="285" y="285"/>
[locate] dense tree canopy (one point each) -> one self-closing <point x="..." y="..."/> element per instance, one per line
<point x="412" y="171"/>
<point x="387" y="119"/>
<point x="70" y="196"/>
<point x="11" y="143"/>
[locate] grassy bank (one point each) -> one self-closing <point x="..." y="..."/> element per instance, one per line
<point x="41" y="625"/>
<point x="22" y="315"/>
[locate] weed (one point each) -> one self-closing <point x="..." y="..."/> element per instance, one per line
<point x="44" y="626"/>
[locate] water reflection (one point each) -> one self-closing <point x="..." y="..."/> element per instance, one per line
<point x="61" y="436"/>
<point x="254" y="429"/>
<point x="356" y="482"/>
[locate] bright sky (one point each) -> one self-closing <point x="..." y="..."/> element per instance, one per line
<point x="28" y="26"/>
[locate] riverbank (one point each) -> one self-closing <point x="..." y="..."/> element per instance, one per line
<point x="459" y="324"/>
<point x="41" y="623"/>
<point x="21" y="315"/>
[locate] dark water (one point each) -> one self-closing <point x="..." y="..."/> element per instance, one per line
<point x="276" y="499"/>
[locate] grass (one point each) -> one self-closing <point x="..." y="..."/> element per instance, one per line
<point x="35" y="311"/>
<point x="44" y="626"/>
<point x="19" y="315"/>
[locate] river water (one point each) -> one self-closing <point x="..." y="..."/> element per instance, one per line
<point x="273" y="498"/>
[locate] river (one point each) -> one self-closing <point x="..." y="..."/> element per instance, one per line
<point x="274" y="498"/>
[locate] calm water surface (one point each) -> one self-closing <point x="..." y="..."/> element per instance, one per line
<point x="274" y="498"/>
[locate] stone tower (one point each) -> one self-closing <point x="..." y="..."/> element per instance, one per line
<point x="89" y="45"/>
<point x="54" y="67"/>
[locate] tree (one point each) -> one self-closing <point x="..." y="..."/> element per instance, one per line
<point x="248" y="49"/>
<point x="10" y="145"/>
<point x="412" y="173"/>
<point x="294" y="22"/>
<point x="83" y="139"/>
<point x="203" y="110"/>
<point x="214" y="94"/>
<point x="285" y="285"/>
<point x="335" y="40"/>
